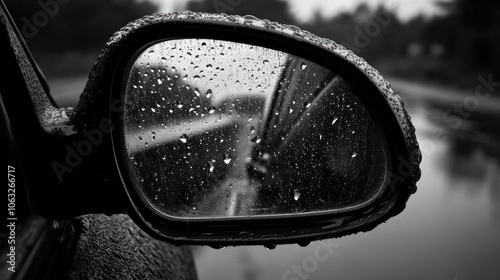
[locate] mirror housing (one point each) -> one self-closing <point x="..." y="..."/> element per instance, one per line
<point x="102" y="107"/>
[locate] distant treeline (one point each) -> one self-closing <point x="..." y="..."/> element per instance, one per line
<point x="66" y="36"/>
<point x="455" y="47"/>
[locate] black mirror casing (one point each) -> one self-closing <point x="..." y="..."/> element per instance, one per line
<point x="101" y="108"/>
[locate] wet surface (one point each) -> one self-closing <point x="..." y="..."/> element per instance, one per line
<point x="449" y="230"/>
<point x="191" y="149"/>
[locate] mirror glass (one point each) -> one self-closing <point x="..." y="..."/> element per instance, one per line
<point x="222" y="129"/>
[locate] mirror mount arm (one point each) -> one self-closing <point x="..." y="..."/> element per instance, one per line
<point x="85" y="174"/>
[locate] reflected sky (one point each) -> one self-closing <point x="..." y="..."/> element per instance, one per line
<point x="449" y="229"/>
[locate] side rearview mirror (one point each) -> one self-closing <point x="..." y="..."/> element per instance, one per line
<point x="231" y="130"/>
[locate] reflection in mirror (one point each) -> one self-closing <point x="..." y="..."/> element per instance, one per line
<point x="219" y="129"/>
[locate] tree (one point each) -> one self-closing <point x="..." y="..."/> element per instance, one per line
<point x="54" y="26"/>
<point x="472" y="32"/>
<point x="274" y="10"/>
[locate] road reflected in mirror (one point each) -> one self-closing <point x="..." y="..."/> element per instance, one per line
<point x="222" y="129"/>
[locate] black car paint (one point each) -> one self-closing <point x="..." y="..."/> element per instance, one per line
<point x="49" y="245"/>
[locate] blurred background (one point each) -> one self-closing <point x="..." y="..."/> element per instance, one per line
<point x="442" y="57"/>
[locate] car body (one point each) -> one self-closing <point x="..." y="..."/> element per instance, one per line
<point x="43" y="244"/>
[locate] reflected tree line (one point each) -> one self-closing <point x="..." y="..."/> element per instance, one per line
<point x="453" y="47"/>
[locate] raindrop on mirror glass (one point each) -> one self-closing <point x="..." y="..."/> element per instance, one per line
<point x="304" y="243"/>
<point x="255" y="139"/>
<point x="209" y="93"/>
<point x="227" y="158"/>
<point x="210" y="166"/>
<point x="270" y="247"/>
<point x="296" y="194"/>
<point x="183" y="138"/>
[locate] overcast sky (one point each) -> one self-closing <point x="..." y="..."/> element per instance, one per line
<point x="304" y="9"/>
